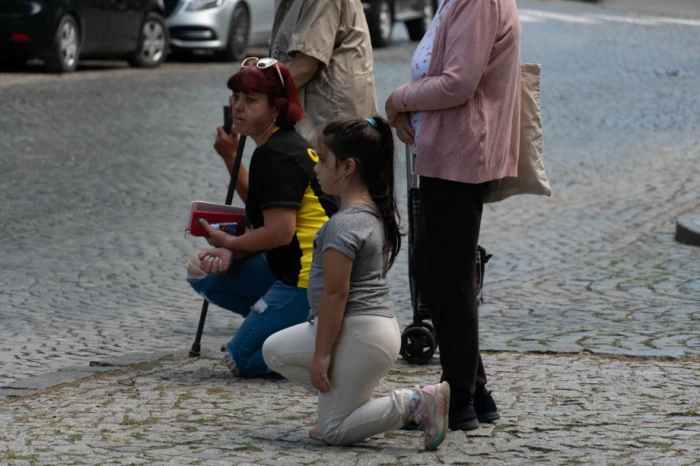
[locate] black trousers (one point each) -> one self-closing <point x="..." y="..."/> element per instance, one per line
<point x="442" y="265"/>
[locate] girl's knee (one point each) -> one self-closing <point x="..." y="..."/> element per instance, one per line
<point x="333" y="435"/>
<point x="267" y="354"/>
<point x="270" y="353"/>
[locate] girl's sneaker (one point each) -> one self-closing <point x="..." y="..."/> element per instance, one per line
<point x="432" y="414"/>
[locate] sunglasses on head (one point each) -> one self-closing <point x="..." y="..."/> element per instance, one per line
<point x="263" y="63"/>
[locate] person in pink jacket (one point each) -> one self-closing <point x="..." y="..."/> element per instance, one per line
<point x="460" y="113"/>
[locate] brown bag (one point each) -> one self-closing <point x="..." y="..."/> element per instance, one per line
<point x="531" y="178"/>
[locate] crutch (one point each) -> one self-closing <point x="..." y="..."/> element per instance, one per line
<point x="196" y="346"/>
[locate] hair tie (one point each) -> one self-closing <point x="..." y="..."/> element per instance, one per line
<point x="372" y="122"/>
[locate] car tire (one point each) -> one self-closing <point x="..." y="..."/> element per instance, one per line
<point x="381" y="23"/>
<point x="153" y="43"/>
<point x="65" y="49"/>
<point x="418" y="27"/>
<point x="238" y="35"/>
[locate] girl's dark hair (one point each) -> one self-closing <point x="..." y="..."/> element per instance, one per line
<point x="371" y="144"/>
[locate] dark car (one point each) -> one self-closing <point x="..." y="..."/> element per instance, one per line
<point x="62" y="31"/>
<point x="382" y="14"/>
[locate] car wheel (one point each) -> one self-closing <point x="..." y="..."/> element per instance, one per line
<point x="381" y="23"/>
<point x="418" y="27"/>
<point x="238" y="35"/>
<point x="153" y="43"/>
<point x="65" y="50"/>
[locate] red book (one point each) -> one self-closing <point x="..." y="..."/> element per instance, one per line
<point x="214" y="213"/>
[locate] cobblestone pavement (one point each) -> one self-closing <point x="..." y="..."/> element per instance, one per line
<point x="98" y="170"/>
<point x="555" y="410"/>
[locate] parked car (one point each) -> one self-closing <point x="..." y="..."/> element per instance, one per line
<point x="382" y="14"/>
<point x="63" y="31"/>
<point x="226" y="27"/>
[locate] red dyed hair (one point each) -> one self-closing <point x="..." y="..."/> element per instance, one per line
<point x="266" y="81"/>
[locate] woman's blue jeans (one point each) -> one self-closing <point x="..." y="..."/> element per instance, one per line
<point x="248" y="288"/>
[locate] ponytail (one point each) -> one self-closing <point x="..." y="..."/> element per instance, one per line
<point x="370" y="143"/>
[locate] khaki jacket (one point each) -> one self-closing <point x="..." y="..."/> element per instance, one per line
<point x="334" y="32"/>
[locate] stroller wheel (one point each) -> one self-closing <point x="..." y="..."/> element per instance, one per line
<point x="417" y="345"/>
<point x="429" y="327"/>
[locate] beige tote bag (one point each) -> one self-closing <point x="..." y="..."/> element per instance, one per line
<point x="531" y="178"/>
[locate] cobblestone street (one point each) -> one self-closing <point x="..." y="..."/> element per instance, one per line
<point x="556" y="410"/>
<point x="591" y="314"/>
<point x="98" y="170"/>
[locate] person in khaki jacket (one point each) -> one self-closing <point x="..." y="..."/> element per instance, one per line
<point x="327" y="48"/>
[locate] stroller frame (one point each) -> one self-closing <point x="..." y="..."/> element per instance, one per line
<point x="419" y="340"/>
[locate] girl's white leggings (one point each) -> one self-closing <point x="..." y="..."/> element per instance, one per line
<point x="364" y="352"/>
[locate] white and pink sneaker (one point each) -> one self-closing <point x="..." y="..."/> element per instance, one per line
<point x="432" y="413"/>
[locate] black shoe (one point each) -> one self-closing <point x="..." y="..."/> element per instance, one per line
<point x="486" y="410"/>
<point x="411" y="426"/>
<point x="463" y="418"/>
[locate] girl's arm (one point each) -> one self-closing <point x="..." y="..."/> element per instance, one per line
<point x="278" y="230"/>
<point x="337" y="268"/>
<point x="466" y="52"/>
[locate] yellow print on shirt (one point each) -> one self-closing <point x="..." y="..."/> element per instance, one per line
<point x="312" y="155"/>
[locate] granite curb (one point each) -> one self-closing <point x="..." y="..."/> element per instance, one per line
<point x="32" y="385"/>
<point x="688" y="230"/>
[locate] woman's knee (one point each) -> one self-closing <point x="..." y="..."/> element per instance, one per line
<point x="194" y="271"/>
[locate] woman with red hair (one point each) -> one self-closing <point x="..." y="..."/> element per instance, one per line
<point x="263" y="274"/>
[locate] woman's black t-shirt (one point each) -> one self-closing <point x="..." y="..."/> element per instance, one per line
<point x="282" y="175"/>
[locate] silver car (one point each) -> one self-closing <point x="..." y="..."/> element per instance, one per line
<point x="226" y="27"/>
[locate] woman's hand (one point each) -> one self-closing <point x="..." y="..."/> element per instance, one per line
<point x="318" y="372"/>
<point x="390" y="109"/>
<point x="226" y="144"/>
<point x="216" y="238"/>
<point x="404" y="130"/>
<point x="215" y="261"/>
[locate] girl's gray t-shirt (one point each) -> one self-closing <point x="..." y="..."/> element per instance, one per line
<point x="358" y="233"/>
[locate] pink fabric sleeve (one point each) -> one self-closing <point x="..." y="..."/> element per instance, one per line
<point x="467" y="49"/>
